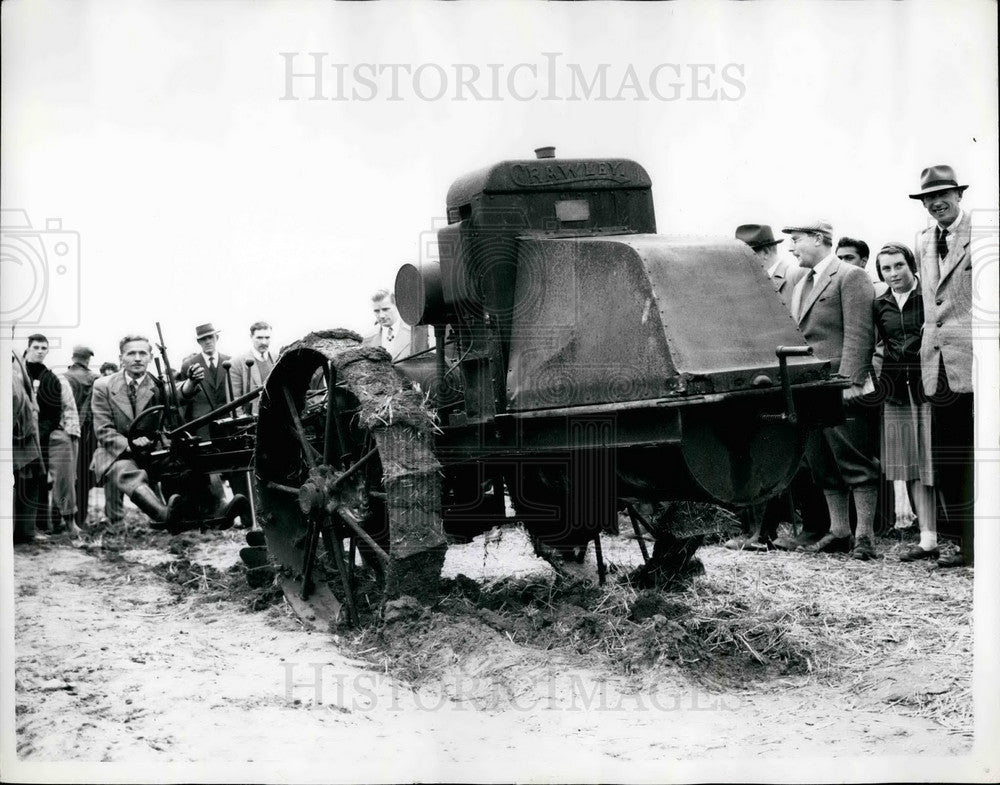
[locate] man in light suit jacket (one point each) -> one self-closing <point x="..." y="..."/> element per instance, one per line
<point x="115" y="402"/>
<point x="213" y="392"/>
<point x="832" y="303"/>
<point x="393" y="334"/>
<point x="250" y="370"/>
<point x="945" y="263"/>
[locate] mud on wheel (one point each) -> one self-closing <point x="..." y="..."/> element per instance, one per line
<point x="344" y="453"/>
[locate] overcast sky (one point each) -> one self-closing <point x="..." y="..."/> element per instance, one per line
<point x="157" y="133"/>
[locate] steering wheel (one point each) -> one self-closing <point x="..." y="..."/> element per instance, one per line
<point x="139" y="428"/>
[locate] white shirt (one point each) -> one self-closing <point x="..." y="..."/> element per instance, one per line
<point x="209" y="358"/>
<point x="391" y="341"/>
<point x="136" y="382"/>
<point x="948" y="239"/>
<point x="951" y="227"/>
<point x="901" y="298"/>
<point x="818" y="270"/>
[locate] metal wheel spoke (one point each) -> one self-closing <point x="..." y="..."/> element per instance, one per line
<point x="307" y="449"/>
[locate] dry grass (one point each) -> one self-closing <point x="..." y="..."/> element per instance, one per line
<point x="883" y="633"/>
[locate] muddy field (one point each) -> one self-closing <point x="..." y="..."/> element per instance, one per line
<point x="150" y="653"/>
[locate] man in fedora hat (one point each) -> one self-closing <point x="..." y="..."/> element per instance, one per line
<point x="213" y="392"/>
<point x="945" y="263"/>
<point x="206" y="369"/>
<point x="832" y="303"/>
<point x="802" y="494"/>
<point x="761" y="239"/>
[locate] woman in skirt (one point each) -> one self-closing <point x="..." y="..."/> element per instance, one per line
<point x="906" y="421"/>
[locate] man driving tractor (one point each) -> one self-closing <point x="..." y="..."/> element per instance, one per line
<point x="117" y="401"/>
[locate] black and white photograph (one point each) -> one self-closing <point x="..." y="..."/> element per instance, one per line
<point x="499" y="391"/>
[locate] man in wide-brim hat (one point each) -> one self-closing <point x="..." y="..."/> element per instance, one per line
<point x="761" y="239"/>
<point x="936" y="179"/>
<point x="757" y="236"/>
<point x="207" y="367"/>
<point x="944" y="259"/>
<point x="212" y="391"/>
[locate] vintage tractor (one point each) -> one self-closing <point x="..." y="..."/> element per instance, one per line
<point x="583" y="365"/>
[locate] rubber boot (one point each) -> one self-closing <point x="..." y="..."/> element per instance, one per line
<point x="146" y="500"/>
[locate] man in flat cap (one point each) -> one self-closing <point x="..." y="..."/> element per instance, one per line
<point x="832" y="303"/>
<point x="802" y="494"/>
<point x="81" y="382"/>
<point x="945" y="263"/>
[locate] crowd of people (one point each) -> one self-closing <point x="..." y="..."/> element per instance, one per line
<point x="905" y="348"/>
<point x="71" y="430"/>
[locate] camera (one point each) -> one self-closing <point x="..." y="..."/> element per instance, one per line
<point x="40" y="270"/>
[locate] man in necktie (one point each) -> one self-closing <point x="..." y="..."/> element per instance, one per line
<point x="944" y="259"/>
<point x="250" y="370"/>
<point x="832" y="304"/>
<point x="215" y="390"/>
<point x="212" y="392"/>
<point x="394" y="335"/>
<point x="116" y="401"/>
<point x="803" y="492"/>
<point x="133" y="395"/>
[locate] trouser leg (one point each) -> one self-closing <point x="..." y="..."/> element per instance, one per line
<point x="30" y="494"/>
<point x="62" y="465"/>
<point x="952" y="447"/>
<point x="42" y="506"/>
<point x="865" y="502"/>
<point x="84" y="478"/>
<point x="924" y="502"/>
<point x="114" y="502"/>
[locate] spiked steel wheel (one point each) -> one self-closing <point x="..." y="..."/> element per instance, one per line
<point x="344" y="452"/>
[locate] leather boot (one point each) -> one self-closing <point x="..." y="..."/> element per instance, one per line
<point x="146" y="500"/>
